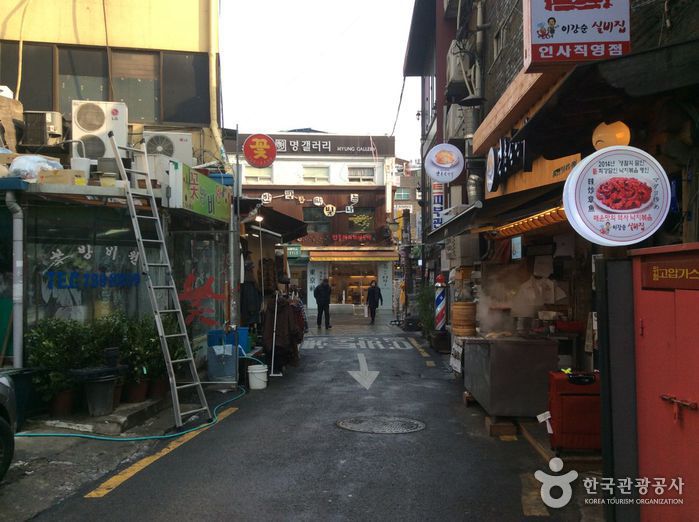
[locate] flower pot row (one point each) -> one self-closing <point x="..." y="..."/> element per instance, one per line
<point x="65" y="402"/>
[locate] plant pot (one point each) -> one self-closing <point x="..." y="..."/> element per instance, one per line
<point x="440" y="341"/>
<point x="63" y="403"/>
<point x="136" y="391"/>
<point x="158" y="388"/>
<point x="100" y="396"/>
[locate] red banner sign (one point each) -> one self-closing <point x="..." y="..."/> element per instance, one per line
<point x="259" y="150"/>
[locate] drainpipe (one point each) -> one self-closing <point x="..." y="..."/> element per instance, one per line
<point x="17" y="277"/>
<point x="480" y="29"/>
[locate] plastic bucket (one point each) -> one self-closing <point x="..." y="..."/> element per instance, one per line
<point x="257" y="376"/>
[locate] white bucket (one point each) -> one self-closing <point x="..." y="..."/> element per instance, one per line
<point x="257" y="376"/>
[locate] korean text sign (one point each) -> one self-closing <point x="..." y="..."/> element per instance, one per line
<point x="561" y="31"/>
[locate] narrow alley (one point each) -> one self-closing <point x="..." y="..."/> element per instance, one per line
<point x="282" y="455"/>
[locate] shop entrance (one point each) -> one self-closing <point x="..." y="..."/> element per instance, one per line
<point x="350" y="281"/>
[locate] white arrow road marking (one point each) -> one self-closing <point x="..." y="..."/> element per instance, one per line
<point x="364" y="376"/>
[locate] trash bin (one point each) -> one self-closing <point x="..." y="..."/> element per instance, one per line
<point x="222" y="356"/>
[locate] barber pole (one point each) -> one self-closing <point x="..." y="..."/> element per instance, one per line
<point x="440" y="304"/>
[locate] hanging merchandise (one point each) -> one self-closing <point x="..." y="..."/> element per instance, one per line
<point x="282" y="332"/>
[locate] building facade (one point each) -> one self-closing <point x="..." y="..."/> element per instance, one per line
<point x="341" y="187"/>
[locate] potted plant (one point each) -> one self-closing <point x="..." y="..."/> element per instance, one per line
<point x="55" y="346"/>
<point x="138" y="354"/>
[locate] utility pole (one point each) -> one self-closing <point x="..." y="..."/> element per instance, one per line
<point x="234" y="237"/>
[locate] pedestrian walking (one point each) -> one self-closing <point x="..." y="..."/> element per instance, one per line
<point x="322" y="295"/>
<point x="373" y="299"/>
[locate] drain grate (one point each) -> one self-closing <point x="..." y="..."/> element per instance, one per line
<point x="381" y="424"/>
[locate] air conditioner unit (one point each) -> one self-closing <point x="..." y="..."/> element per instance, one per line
<point x="455" y="128"/>
<point x="42" y="128"/>
<point x="175" y="145"/>
<point x="458" y="62"/>
<point x="92" y="121"/>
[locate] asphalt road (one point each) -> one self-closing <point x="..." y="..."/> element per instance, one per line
<point x="281" y="456"/>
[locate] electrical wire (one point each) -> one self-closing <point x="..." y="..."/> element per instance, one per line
<point x="400" y="102"/>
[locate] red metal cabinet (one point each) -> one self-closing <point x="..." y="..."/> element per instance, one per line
<point x="666" y="314"/>
<point x="575" y="411"/>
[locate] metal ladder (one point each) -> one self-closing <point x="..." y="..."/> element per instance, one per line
<point x="159" y="281"/>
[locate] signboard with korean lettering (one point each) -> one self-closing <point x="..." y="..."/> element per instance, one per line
<point x="569" y="31"/>
<point x="331" y="145"/>
<point x="673" y="273"/>
<point x="202" y="195"/>
<point x="259" y="150"/>
<point x="617" y="196"/>
<point x="437" y="204"/>
<point x="444" y="163"/>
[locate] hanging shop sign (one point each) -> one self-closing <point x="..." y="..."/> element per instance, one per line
<point x="437" y="204"/>
<point x="504" y="161"/>
<point x="266" y="198"/>
<point x="259" y="150"/>
<point x="288" y="194"/>
<point x="617" y="196"/>
<point x="197" y="193"/>
<point x="444" y="163"/>
<point x="293" y="250"/>
<point x="318" y="201"/>
<point x="570" y="31"/>
<point x="329" y="210"/>
<point x="354" y="198"/>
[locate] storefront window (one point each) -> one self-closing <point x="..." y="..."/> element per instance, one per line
<point x="83" y="263"/>
<point x="201" y="275"/>
<point x="362" y="220"/>
<point x="316" y="220"/>
<point x="350" y="281"/>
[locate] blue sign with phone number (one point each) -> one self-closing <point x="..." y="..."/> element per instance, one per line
<point x="93" y="279"/>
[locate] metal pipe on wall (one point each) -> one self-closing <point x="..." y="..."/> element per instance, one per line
<point x="17" y="278"/>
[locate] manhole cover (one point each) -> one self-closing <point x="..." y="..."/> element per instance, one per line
<point x="381" y="424"/>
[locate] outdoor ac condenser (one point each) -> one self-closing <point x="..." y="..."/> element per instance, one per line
<point x="92" y="121"/>
<point x="42" y="128"/>
<point x="175" y="145"/>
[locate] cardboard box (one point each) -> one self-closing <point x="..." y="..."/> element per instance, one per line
<point x="62" y="177"/>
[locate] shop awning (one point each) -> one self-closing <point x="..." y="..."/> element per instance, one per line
<point x="350" y="255"/>
<point x="455" y="226"/>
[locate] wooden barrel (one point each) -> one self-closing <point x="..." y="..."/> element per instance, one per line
<point x="463" y="319"/>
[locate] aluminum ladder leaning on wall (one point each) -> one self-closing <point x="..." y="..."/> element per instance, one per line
<point x="174" y="341"/>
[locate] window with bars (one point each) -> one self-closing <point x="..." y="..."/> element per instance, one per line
<point x="402" y="193"/>
<point x="360" y="174"/>
<point x="316" y="174"/>
<point x="255" y="175"/>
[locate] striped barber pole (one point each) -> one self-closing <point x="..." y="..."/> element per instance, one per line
<point x="440" y="308"/>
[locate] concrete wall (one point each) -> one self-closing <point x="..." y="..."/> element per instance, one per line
<point x="180" y="25"/>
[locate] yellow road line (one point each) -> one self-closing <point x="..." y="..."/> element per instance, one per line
<point x="417" y="346"/>
<point x="430" y="364"/>
<point x="121" y="477"/>
<point x="532" y="505"/>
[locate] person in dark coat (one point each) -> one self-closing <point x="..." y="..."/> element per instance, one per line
<point x="322" y="295"/>
<point x="373" y="299"/>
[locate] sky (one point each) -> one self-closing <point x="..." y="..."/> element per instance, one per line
<point x="334" y="66"/>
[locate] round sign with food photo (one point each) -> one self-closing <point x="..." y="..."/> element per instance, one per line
<point x="444" y="163"/>
<point x="617" y="196"/>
